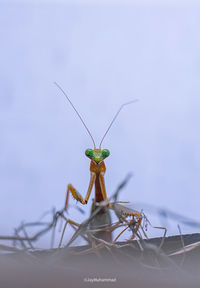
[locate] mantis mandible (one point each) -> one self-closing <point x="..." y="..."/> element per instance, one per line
<point x="97" y="170"/>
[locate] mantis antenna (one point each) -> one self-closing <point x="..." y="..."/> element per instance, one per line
<point x="59" y="87"/>
<point x="130" y="102"/>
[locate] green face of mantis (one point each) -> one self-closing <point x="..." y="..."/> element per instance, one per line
<point x="97" y="155"/>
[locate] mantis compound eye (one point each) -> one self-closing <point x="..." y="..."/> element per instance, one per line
<point x="105" y="153"/>
<point x="89" y="153"/>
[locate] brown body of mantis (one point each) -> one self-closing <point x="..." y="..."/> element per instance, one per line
<point x="97" y="170"/>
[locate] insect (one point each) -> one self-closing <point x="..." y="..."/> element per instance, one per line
<point x="97" y="171"/>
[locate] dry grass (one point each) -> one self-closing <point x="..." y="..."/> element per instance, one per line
<point x="159" y="262"/>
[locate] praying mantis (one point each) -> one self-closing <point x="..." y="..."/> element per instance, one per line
<point x="97" y="171"/>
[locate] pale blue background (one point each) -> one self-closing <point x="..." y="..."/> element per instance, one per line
<point x="102" y="55"/>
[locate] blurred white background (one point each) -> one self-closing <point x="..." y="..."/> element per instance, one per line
<point x="102" y="54"/>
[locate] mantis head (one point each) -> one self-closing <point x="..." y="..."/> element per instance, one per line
<point x="97" y="155"/>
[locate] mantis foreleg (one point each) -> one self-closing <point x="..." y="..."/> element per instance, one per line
<point x="76" y="195"/>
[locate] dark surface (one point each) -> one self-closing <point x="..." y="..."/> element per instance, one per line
<point x="128" y="266"/>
